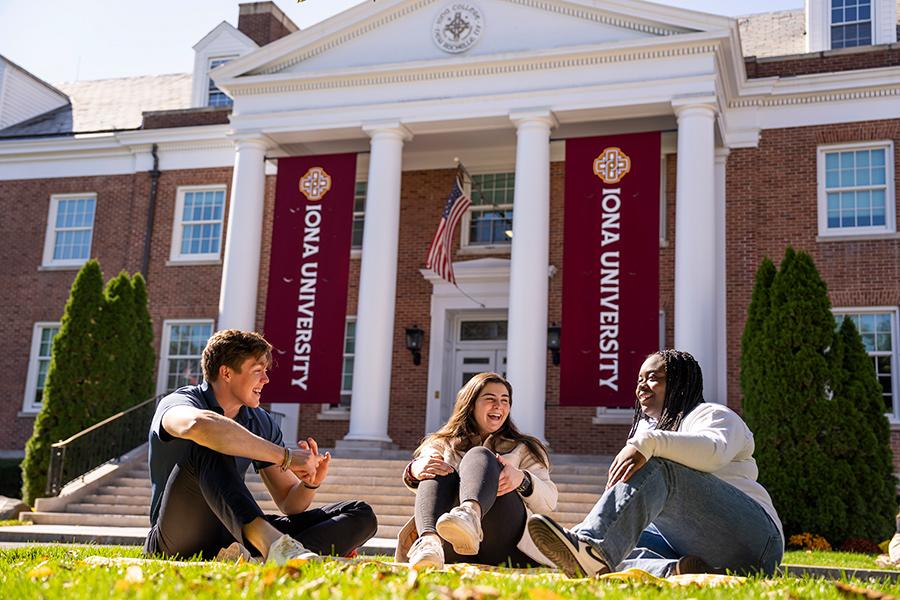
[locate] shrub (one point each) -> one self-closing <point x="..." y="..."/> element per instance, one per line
<point x="808" y="541"/>
<point x="69" y="402"/>
<point x="101" y="363"/>
<point x="812" y="401"/>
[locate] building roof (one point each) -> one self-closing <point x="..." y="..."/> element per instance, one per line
<point x="107" y="104"/>
<point x="773" y="34"/>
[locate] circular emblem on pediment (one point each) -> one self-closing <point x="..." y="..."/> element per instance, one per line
<point x="457" y="27"/>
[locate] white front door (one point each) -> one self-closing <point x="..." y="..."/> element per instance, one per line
<point x="480" y="346"/>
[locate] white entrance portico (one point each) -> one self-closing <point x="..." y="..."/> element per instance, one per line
<point x="373" y="79"/>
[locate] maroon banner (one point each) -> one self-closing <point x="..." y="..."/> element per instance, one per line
<point x="308" y="274"/>
<point x="610" y="297"/>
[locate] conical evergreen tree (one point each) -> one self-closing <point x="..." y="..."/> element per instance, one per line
<point x="753" y="368"/>
<point x="142" y="386"/>
<point x="71" y="386"/>
<point x="786" y="400"/>
<point x="116" y="357"/>
<point x="859" y="443"/>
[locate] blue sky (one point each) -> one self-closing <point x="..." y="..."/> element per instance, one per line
<point x="64" y="40"/>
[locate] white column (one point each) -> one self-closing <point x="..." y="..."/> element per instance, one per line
<point x="377" y="287"/>
<point x="243" y="240"/>
<point x="721" y="371"/>
<point x="528" y="278"/>
<point x="695" y="236"/>
<point x="240" y="266"/>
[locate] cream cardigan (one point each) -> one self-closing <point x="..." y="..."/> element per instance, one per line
<point x="542" y="499"/>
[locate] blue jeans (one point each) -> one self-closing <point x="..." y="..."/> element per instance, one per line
<point x="667" y="510"/>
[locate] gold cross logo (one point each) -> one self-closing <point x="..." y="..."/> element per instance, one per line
<point x="612" y="165"/>
<point x="315" y="184"/>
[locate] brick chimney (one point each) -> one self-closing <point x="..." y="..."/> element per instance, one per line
<point x="263" y="22"/>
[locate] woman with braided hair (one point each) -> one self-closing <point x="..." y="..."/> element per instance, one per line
<point x="681" y="496"/>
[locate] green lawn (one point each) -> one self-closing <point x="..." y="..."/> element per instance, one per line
<point x="61" y="572"/>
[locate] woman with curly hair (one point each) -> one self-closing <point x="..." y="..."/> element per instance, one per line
<point x="681" y="496"/>
<point x="476" y="480"/>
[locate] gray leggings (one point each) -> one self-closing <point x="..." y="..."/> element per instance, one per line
<point x="502" y="517"/>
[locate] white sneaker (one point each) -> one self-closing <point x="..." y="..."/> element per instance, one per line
<point x="462" y="528"/>
<point x="287" y="548"/>
<point x="894" y="548"/>
<point x="427" y="552"/>
<point x="572" y="556"/>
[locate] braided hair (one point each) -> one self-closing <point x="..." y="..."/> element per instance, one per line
<point x="684" y="390"/>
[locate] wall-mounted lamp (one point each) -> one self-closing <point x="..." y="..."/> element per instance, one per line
<point x="414" y="339"/>
<point x="553" y="333"/>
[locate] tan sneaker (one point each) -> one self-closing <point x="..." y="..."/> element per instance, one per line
<point x="462" y="528"/>
<point x="235" y="553"/>
<point x="894" y="548"/>
<point x="287" y="548"/>
<point x="427" y="552"/>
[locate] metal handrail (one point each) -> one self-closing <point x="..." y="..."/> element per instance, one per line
<point x="98" y="444"/>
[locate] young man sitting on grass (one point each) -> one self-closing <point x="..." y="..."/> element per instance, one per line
<point x="203" y="438"/>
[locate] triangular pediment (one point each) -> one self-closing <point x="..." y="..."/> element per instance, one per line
<point x="394" y="32"/>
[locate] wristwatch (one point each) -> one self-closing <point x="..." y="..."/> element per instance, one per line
<point x="525" y="488"/>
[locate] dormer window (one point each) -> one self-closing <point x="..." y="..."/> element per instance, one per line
<point x="851" y="23"/>
<point x="215" y="96"/>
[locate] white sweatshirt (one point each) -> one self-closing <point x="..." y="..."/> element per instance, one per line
<point x="714" y="439"/>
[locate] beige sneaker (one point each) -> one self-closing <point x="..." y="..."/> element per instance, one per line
<point x="894" y="548"/>
<point x="427" y="552"/>
<point x="462" y="528"/>
<point x="287" y="548"/>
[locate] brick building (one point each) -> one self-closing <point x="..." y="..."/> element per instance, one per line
<point x="790" y="122"/>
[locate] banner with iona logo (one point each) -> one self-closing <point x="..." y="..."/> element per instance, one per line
<point x="308" y="274"/>
<point x="610" y="297"/>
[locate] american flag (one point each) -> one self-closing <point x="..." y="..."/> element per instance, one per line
<point x="439" y="254"/>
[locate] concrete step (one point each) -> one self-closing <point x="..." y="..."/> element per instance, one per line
<point x="115" y="489"/>
<point x="103" y="520"/>
<point x="142" y="500"/>
<point x="109" y="509"/>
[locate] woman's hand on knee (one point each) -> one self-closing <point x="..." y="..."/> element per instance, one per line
<point x="510" y="477"/>
<point x="429" y="467"/>
<point x="624" y="465"/>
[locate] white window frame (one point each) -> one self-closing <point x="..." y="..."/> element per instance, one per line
<point x="873" y="5"/>
<point x="175" y="255"/>
<point x="339" y="412"/>
<point x="29" y="406"/>
<point x="893" y="417"/>
<point x="465" y="223"/>
<point x="359" y="213"/>
<point x="162" y="374"/>
<point x="890" y="225"/>
<point x="50" y="235"/>
<point x="209" y="81"/>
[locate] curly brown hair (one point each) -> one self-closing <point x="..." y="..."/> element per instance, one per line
<point x="231" y="347"/>
<point x="461" y="427"/>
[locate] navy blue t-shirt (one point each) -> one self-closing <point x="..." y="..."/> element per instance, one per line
<point x="166" y="451"/>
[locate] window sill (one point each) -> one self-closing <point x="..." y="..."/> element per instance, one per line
<point x="60" y="267"/>
<point x="613" y="419"/>
<point x="858" y="237"/>
<point x="355" y="253"/>
<point x="477" y="250"/>
<point x="334" y="415"/>
<point x="193" y="262"/>
<point x="26" y="414"/>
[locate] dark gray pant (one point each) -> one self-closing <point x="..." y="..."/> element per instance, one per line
<point x="502" y="518"/>
<point x="206" y="504"/>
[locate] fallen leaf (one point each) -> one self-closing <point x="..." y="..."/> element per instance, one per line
<point x="476" y="592"/>
<point x="854" y="591"/>
<point x="40" y="571"/>
<point x="134" y="575"/>
<point x="543" y="594"/>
